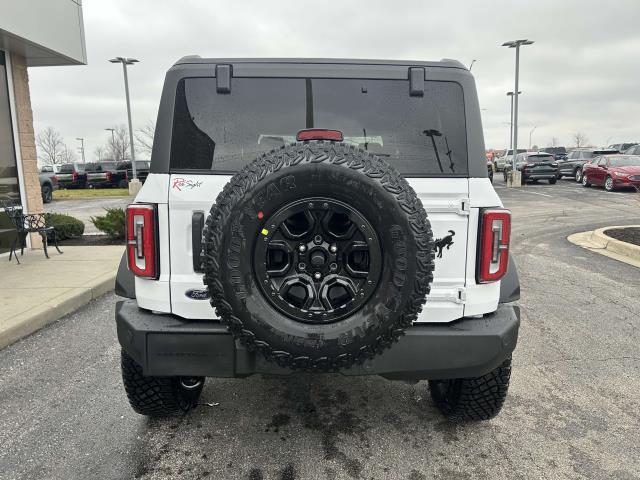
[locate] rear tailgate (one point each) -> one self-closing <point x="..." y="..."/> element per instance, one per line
<point x="446" y="202"/>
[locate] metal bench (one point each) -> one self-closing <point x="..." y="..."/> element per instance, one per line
<point x="26" y="223"/>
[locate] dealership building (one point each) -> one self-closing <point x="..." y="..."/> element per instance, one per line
<point x="33" y="33"/>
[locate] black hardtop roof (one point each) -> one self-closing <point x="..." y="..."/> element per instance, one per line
<point x="444" y="63"/>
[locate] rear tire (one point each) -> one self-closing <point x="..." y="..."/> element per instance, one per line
<point x="472" y="399"/>
<point x="578" y="175"/>
<point x="552" y="181"/>
<point x="158" y="396"/>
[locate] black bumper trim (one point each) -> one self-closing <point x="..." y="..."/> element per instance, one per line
<point x="166" y="345"/>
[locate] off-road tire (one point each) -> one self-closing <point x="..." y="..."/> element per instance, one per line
<point x="472" y="399"/>
<point x="156" y="396"/>
<point x="272" y="334"/>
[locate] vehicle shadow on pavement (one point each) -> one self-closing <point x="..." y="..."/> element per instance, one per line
<point x="305" y="426"/>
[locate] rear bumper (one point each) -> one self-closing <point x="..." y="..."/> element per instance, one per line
<point x="166" y="345"/>
<point x="539" y="176"/>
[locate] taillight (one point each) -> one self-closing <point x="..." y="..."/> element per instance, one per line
<point x="74" y="177"/>
<point x="495" y="233"/>
<point x="319" y="134"/>
<point x="142" y="240"/>
<point x="109" y="176"/>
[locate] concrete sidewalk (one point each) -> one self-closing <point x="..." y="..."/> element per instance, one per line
<point x="40" y="291"/>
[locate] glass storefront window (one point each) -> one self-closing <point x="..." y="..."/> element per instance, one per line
<point x="9" y="186"/>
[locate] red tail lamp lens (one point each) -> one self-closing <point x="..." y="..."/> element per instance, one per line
<point x="495" y="234"/>
<point x="141" y="240"/>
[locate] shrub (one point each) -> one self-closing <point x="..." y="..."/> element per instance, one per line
<point x="65" y="226"/>
<point x="113" y="223"/>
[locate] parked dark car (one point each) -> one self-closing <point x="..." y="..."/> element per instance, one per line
<point x="536" y="166"/>
<point x="572" y="165"/>
<point x="613" y="171"/>
<point x="72" y="175"/>
<point x="48" y="183"/>
<point x="107" y="174"/>
<point x="142" y="169"/>
<point x="622" y="147"/>
<point x="634" y="150"/>
<point x="559" y="153"/>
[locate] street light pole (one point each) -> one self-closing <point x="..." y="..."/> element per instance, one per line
<point x="531" y="133"/>
<point x="472" y="62"/>
<point x="128" y="61"/>
<point x="113" y="142"/>
<point x="510" y="94"/>
<point x="516" y="44"/>
<point x="81" y="148"/>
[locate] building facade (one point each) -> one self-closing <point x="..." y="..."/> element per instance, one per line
<point x="33" y="33"/>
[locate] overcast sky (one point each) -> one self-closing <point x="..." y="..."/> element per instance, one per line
<point x="582" y="74"/>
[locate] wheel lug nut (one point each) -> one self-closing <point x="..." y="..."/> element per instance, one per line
<point x="317" y="275"/>
<point x="317" y="240"/>
<point x="302" y="248"/>
<point x="333" y="267"/>
<point x="302" y="266"/>
<point x="333" y="248"/>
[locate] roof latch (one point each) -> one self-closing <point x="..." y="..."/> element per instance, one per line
<point x="416" y="82"/>
<point x="223" y="78"/>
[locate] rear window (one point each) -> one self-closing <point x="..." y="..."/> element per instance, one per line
<point x="420" y="136"/>
<point x="67" y="168"/>
<point x="541" y="158"/>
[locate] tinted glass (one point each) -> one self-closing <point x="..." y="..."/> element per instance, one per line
<point x="67" y="168"/>
<point x="9" y="189"/>
<point x="223" y="132"/>
<point x="541" y="158"/>
<point x="93" y="167"/>
<point x="8" y="171"/>
<point x="586" y="154"/>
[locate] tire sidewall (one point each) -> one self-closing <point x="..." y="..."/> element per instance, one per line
<point x="336" y="182"/>
<point x="321" y="170"/>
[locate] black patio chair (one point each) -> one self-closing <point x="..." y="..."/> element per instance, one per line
<point x="26" y="223"/>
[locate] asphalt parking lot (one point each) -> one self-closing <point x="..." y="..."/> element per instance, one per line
<point x="572" y="412"/>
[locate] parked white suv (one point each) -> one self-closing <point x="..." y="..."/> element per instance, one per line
<point x="323" y="216"/>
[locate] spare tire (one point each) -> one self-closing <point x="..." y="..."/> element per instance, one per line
<point x="318" y="255"/>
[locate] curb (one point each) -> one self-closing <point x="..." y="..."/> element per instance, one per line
<point x="617" y="246"/>
<point x="596" y="241"/>
<point x="45" y="314"/>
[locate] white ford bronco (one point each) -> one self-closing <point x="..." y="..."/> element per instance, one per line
<point x="318" y="216"/>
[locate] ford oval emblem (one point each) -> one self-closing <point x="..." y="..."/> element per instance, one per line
<point x="194" y="294"/>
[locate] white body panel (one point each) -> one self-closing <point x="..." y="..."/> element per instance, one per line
<point x="451" y="204"/>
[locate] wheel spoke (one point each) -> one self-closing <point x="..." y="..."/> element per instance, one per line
<point x="319" y="262"/>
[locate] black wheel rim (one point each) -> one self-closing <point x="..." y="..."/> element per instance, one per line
<point x="318" y="260"/>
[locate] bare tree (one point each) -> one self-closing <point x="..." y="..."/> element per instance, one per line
<point x="50" y="146"/>
<point x="144" y="138"/>
<point x="119" y="143"/>
<point x="67" y="155"/>
<point x="101" y="153"/>
<point x="580" y="139"/>
<point x="554" y="142"/>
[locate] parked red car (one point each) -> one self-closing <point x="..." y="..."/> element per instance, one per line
<point x="612" y="171"/>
